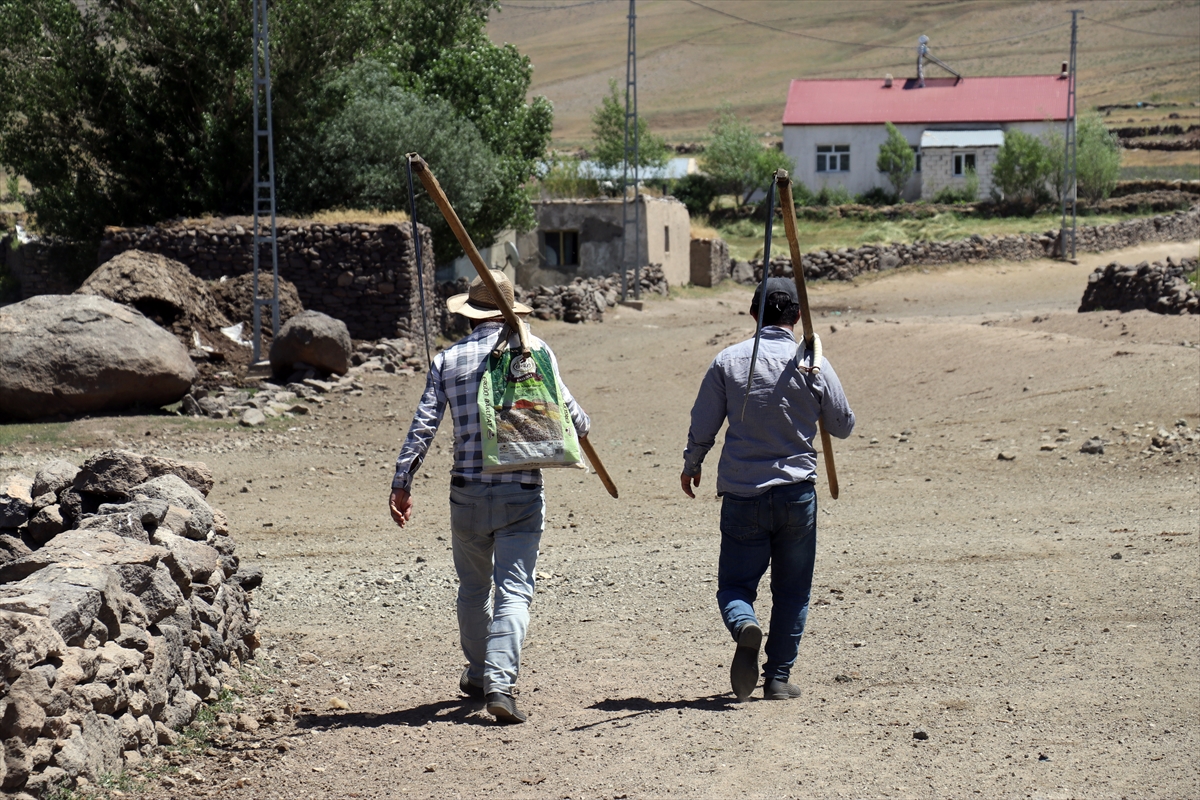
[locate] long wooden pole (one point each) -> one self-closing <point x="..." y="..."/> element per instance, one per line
<point x="443" y="203"/>
<point x="811" y="340"/>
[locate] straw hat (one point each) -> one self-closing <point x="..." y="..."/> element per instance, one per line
<point x="477" y="303"/>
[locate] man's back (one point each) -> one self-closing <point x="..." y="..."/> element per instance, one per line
<point x="772" y="444"/>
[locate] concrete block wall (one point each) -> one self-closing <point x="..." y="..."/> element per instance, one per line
<point x="937" y="170"/>
<point x="363" y="274"/>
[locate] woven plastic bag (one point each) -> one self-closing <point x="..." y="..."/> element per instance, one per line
<point x="526" y="424"/>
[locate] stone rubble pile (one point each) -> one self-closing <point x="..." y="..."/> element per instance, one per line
<point x="586" y="299"/>
<point x="122" y="605"/>
<point x="1159" y="287"/>
<point x="845" y="264"/>
<point x="305" y="389"/>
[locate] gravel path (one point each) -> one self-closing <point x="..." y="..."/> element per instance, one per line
<point x="1023" y="626"/>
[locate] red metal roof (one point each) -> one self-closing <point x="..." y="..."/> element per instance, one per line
<point x="1022" y="98"/>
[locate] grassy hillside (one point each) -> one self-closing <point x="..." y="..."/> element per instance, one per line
<point x="692" y="58"/>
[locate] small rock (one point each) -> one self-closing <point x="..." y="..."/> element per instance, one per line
<point x="1116" y="556"/>
<point x="920" y="735"/>
<point x="309" y="658"/>
<point x="337" y="703"/>
<point x="1049" y="447"/>
<point x="1006" y="456"/>
<point x="246" y="723"/>
<point x="252" y="418"/>
<point x="1093" y="446"/>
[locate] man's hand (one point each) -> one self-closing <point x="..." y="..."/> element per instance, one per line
<point x="688" y="481"/>
<point x="401" y="506"/>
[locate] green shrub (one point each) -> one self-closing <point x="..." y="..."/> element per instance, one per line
<point x="837" y="196"/>
<point x="1098" y="161"/>
<point x="1024" y="165"/>
<point x="568" y="177"/>
<point x="896" y="158"/>
<point x="696" y="191"/>
<point x="877" y="196"/>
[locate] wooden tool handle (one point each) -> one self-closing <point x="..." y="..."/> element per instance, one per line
<point x="443" y="203"/>
<point x="596" y="465"/>
<point x="827" y="451"/>
<point x="788" y="208"/>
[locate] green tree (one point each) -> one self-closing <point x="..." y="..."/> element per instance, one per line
<point x="123" y="113"/>
<point x="608" y="135"/>
<point x="735" y="157"/>
<point x="896" y="159"/>
<point x="1023" y="167"/>
<point x="1098" y="162"/>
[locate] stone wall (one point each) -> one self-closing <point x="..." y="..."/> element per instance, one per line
<point x="362" y="274"/>
<point x="122" y="605"/>
<point x="710" y="261"/>
<point x="1159" y="287"/>
<point x="845" y="264"/>
<point x="36" y="266"/>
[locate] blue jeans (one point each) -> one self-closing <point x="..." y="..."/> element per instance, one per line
<point x="495" y="530"/>
<point x="779" y="528"/>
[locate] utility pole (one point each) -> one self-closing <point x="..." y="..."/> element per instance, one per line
<point x="631" y="159"/>
<point x="1070" y="187"/>
<point x="264" y="184"/>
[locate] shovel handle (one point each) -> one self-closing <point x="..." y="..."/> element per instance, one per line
<point x="598" y="466"/>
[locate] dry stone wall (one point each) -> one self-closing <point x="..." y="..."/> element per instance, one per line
<point x="845" y="264"/>
<point x="362" y="274"/>
<point x="122" y="603"/>
<point x="36" y="266"/>
<point x="1159" y="287"/>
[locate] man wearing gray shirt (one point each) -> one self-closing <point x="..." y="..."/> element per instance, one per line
<point x="765" y="479"/>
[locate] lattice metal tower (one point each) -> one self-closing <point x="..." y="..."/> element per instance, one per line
<point x="631" y="160"/>
<point x="264" y="184"/>
<point x="1070" y="187"/>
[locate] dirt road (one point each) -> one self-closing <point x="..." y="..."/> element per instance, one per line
<point x="1017" y="627"/>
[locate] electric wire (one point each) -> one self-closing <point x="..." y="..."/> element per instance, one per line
<point x="1132" y="30"/>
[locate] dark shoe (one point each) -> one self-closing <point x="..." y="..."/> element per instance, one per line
<point x="743" y="672"/>
<point x="776" y="689"/>
<point x="469" y="689"/>
<point x="504" y="709"/>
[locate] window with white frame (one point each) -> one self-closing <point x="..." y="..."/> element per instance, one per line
<point x="964" y="163"/>
<point x="833" y="158"/>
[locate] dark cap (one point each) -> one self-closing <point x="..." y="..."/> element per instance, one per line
<point x="776" y="285"/>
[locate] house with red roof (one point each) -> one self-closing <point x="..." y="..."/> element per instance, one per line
<point x="832" y="129"/>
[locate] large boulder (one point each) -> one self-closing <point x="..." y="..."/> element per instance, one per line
<point x="311" y="338"/>
<point x="75" y="354"/>
<point x="161" y="288"/>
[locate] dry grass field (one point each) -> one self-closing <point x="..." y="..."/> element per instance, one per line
<point x="694" y="56"/>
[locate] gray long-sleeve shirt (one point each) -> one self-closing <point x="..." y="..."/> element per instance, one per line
<point x="773" y="444"/>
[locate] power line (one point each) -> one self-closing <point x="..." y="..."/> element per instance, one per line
<point x="1132" y="30"/>
<point x="865" y="44"/>
<point x="552" y="8"/>
<point x="796" y="33"/>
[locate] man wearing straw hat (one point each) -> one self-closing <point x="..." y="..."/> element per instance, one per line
<point x="765" y="477"/>
<point x="496" y="519"/>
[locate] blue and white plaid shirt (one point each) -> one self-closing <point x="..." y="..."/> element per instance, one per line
<point x="454" y="378"/>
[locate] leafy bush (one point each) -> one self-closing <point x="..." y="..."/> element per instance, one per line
<point x="1023" y="167"/>
<point x="359" y="155"/>
<point x="695" y="191"/>
<point x="568" y="177"/>
<point x="967" y="193"/>
<point x="837" y="196"/>
<point x="735" y="158"/>
<point x="896" y="158"/>
<point x="608" y="131"/>
<point x="1098" y="159"/>
<point x="877" y="196"/>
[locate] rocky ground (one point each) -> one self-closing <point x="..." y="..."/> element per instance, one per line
<point x="995" y="613"/>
